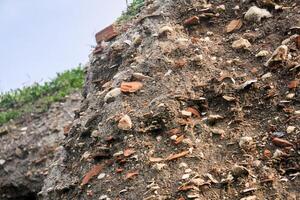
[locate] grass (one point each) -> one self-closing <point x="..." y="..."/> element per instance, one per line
<point x="133" y="9"/>
<point x="38" y="97"/>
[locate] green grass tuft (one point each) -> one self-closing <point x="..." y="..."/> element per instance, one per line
<point x="38" y="98"/>
<point x="133" y="9"/>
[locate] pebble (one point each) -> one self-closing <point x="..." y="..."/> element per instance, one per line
<point x="159" y="166"/>
<point x="241" y="44"/>
<point x="238" y="171"/>
<point x="2" y="162"/>
<point x="185" y="176"/>
<point x="290" y="95"/>
<point x="253" y="197"/>
<point x="183" y="165"/>
<point x="255" y="14"/>
<point x="290" y="129"/>
<point x="104" y="197"/>
<point x="111" y="95"/>
<point x="245" y="142"/>
<point x="280" y="54"/>
<point x="125" y="123"/>
<point x="101" y="176"/>
<point x="262" y="53"/>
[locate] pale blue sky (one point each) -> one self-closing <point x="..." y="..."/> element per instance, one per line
<point x="41" y="37"/>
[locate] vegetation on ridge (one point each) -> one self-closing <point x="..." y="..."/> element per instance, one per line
<point x="133" y="9"/>
<point x="38" y="97"/>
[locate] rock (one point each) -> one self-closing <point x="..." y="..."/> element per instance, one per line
<point x="2" y="162"/>
<point x="3" y="130"/>
<point x="278" y="154"/>
<point x="246" y="142"/>
<point x="219" y="132"/>
<point x="290" y="129"/>
<point x="185" y="176"/>
<point x="255" y="14"/>
<point x="125" y="123"/>
<point x="140" y="76"/>
<point x="183" y="165"/>
<point x="262" y="53"/>
<point x="198" y="182"/>
<point x="111" y="95"/>
<point x="186" y="113"/>
<point x="95" y="134"/>
<point x="281" y="142"/>
<point x="279" y="55"/>
<point x="159" y="166"/>
<point x="104" y="197"/>
<point x="194" y="20"/>
<point x="101" y="176"/>
<point x="290" y="95"/>
<point x="241" y="44"/>
<point x="165" y="29"/>
<point x="253" y="197"/>
<point x="267" y="75"/>
<point x="239" y="171"/>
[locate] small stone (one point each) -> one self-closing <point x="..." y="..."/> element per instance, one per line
<point x="253" y="197"/>
<point x="2" y="162"/>
<point x="165" y="29"/>
<point x="159" y="166"/>
<point x="125" y="123"/>
<point x="140" y="76"/>
<point x="239" y="171"/>
<point x="111" y="95"/>
<point x="95" y="134"/>
<point x="290" y="129"/>
<point x="173" y="137"/>
<point x="219" y="132"/>
<point x="267" y="75"/>
<point x="255" y="14"/>
<point x="198" y="182"/>
<point x="101" y="176"/>
<point x="278" y="154"/>
<point x="194" y="20"/>
<point x="262" y="53"/>
<point x="280" y="54"/>
<point x="186" y="113"/>
<point x="246" y="142"/>
<point x="221" y="7"/>
<point x="188" y="170"/>
<point x="297" y="112"/>
<point x="185" y="176"/>
<point x="183" y="165"/>
<point x="241" y="44"/>
<point x="290" y="95"/>
<point x="104" y="197"/>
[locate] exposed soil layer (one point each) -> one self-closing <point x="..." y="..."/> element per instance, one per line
<point x="182" y="105"/>
<point x="177" y="107"/>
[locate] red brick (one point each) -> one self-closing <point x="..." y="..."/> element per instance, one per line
<point x="106" y="34"/>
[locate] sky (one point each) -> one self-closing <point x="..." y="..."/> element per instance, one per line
<point x="39" y="38"/>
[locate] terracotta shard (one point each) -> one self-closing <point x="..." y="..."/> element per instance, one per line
<point x="178" y="155"/>
<point x="234" y="25"/>
<point x="130" y="87"/>
<point x="96" y="169"/>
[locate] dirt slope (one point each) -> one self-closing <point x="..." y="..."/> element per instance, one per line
<point x="182" y="105"/>
<point x="28" y="146"/>
<point x="177" y="108"/>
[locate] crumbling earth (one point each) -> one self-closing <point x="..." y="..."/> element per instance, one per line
<point x="192" y="100"/>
